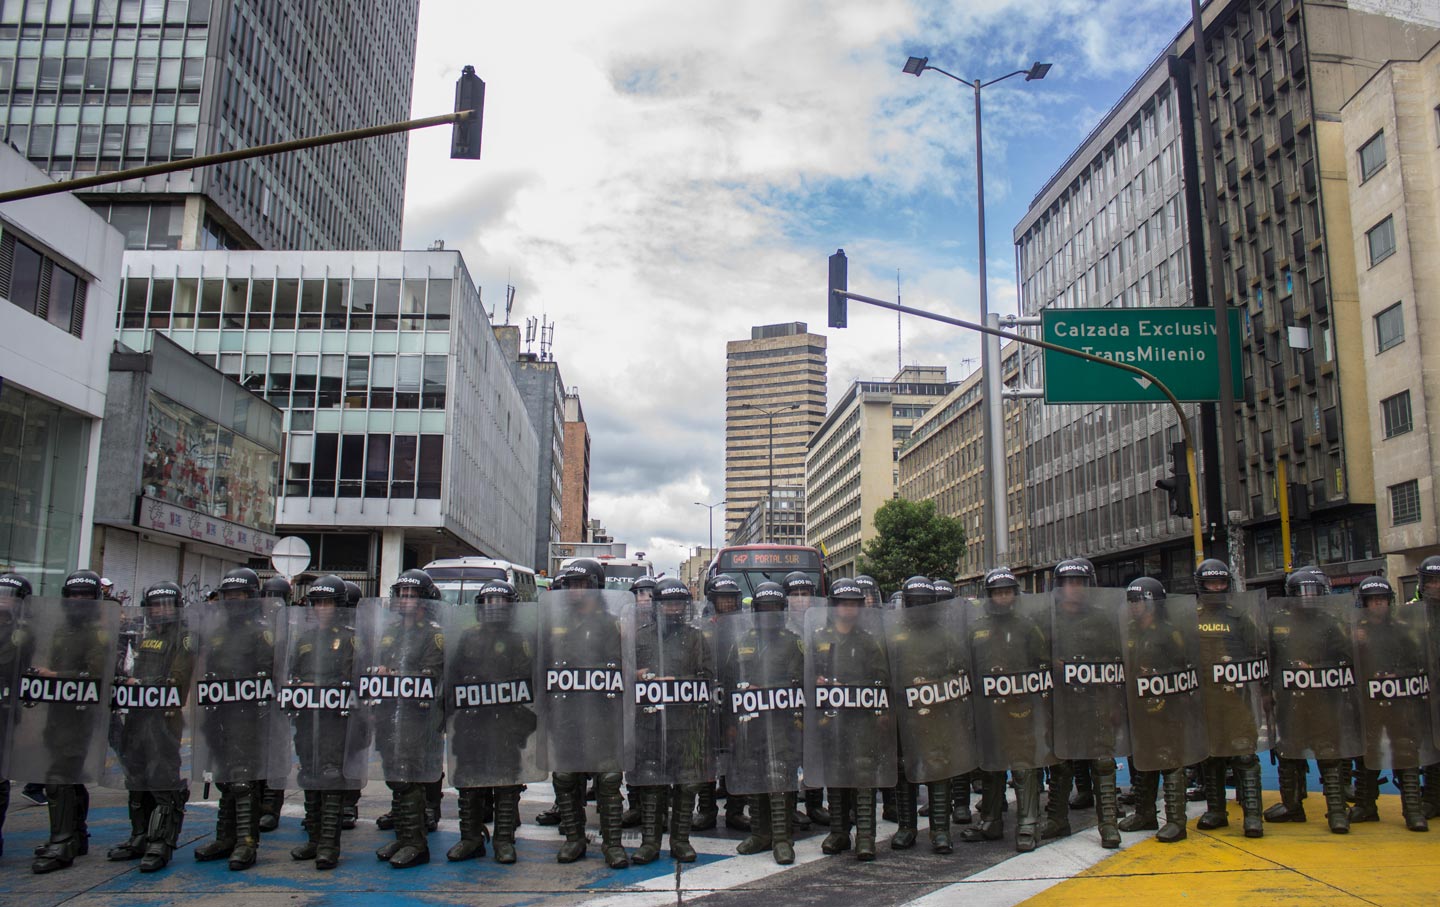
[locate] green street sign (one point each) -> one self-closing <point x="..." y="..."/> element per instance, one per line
<point x="1177" y="345"/>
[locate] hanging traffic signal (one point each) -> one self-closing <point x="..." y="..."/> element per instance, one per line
<point x="1177" y="487"/>
<point x="465" y="135"/>
<point x="839" y="283"/>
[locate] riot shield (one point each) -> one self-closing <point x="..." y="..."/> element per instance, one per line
<point x="15" y="652"/>
<point x="241" y="644"/>
<point x="492" y="710"/>
<point x="762" y="684"/>
<point x="319" y="702"/>
<point x="1162" y="671"/>
<point x="1313" y="676"/>
<point x="1091" y="719"/>
<point x="932" y="688"/>
<point x="62" y="694"/>
<point x="1010" y="650"/>
<point x="1235" y="672"/>
<point x="151" y="709"/>
<point x="1395" y="687"/>
<point x="587" y="676"/>
<point x="851" y="740"/>
<point x="400" y="681"/>
<point x="674" y="696"/>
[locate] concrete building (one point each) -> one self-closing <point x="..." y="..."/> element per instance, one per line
<point x="406" y="437"/>
<point x="694" y="569"/>
<point x="538" y="378"/>
<point x="1392" y="132"/>
<point x="575" y="477"/>
<point x="781" y="370"/>
<point x="778" y="517"/>
<point x="60" y="280"/>
<point x="189" y="473"/>
<point x="943" y="461"/>
<point x="96" y="87"/>
<point x="851" y="461"/>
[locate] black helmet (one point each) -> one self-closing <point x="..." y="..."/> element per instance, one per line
<point x="329" y="588"/>
<point x="644" y="582"/>
<point x="1374" y="587"/>
<point x="671" y="589"/>
<point x="1429" y="574"/>
<point x="243" y="580"/>
<point x="1307" y="581"/>
<point x="353" y="594"/>
<point x="944" y="589"/>
<point x="415" y="579"/>
<point x="1075" y="568"/>
<point x="497" y="588"/>
<point x="162" y="593"/>
<point x="1213" y="569"/>
<point x="1000" y="578"/>
<point x="846" y="591"/>
<point x="81" y="584"/>
<point x="721" y="584"/>
<point x="768" y="597"/>
<point x="276" y="587"/>
<point x="13" y="585"/>
<point x="493" y="601"/>
<point x="870" y="587"/>
<point x="581" y="573"/>
<point x="1145" y="589"/>
<point x="897" y="599"/>
<point x="917" y="591"/>
<point x="798" y="581"/>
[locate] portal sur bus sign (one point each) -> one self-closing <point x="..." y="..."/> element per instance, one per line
<point x="1179" y="346"/>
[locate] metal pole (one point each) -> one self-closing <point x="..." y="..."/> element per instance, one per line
<point x="997" y="530"/>
<point x="769" y="473"/>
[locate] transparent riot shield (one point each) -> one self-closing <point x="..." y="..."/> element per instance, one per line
<point x="62" y="693"/>
<point x="1314" y="677"/>
<point x="400" y="681"/>
<point x="587" y="676"/>
<point x="241" y="645"/>
<point x="1010" y="650"/>
<point x="1395" y="686"/>
<point x="850" y="721"/>
<point x="932" y="690"/>
<point x="151" y="709"/>
<point x="16" y="650"/>
<point x="1162" y="671"/>
<point x="1091" y="720"/>
<point x="762" y="683"/>
<point x="492" y="707"/>
<point x="1235" y="672"/>
<point x="318" y="700"/>
<point x="674" y="696"/>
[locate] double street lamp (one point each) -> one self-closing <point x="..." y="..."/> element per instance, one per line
<point x="997" y="537"/>
<point x="770" y="415"/>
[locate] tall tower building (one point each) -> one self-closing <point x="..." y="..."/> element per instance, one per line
<point x="779" y="370"/>
<point x="96" y="86"/>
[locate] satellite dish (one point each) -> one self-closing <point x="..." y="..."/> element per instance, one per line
<point x="290" y="557"/>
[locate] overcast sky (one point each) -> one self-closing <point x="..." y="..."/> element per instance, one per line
<point x="659" y="176"/>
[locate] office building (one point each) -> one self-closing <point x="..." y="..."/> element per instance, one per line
<point x="537" y="375"/>
<point x="779" y="517"/>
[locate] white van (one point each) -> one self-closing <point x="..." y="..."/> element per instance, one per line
<point x="460" y="578"/>
<point x="620" y="572"/>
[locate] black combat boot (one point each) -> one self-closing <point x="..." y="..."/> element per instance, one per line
<point x="887" y="804"/>
<point x="1027" y="810"/>
<point x="991" y="824"/>
<point x="782" y="811"/>
<point x="332" y="808"/>
<point x="631" y="817"/>
<point x="271" y="800"/>
<point x="139" y="806"/>
<point x="68" y="837"/>
<point x="651" y="831"/>
<point x="162" y="835"/>
<point x="1212" y="779"/>
<point x="1057" y="802"/>
<point x="735" y="818"/>
<point x="1174" y="793"/>
<point x="486" y="802"/>
<point x="434" y="793"/>
<point x="1292" y="784"/>
<point x="940" y="817"/>
<point x="1084" y="797"/>
<point x="1107" y="804"/>
<point x="960" y="799"/>
<point x="682" y="815"/>
<point x="907" y="815"/>
<point x="1412" y="807"/>
<point x="247" y="826"/>
<point x="473" y="833"/>
<point x="1430" y="792"/>
<point x="815" y="809"/>
<point x="349" y="809"/>
<point x="1247" y="783"/>
<point x="410" y="834"/>
<point x="1367" y="791"/>
<point x="838" y="840"/>
<point x="1333" y="786"/>
<point x="864" y="801"/>
<point x="507" y="820"/>
<point x="306" y="851"/>
<point x="1144" y="785"/>
<point x="609" y="805"/>
<point x="569" y="788"/>
<point x="386" y="821"/>
<point x="707" y="813"/>
<point x="760" y="838"/>
<point x="224" y="843"/>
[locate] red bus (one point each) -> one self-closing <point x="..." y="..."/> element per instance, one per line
<point x="752" y="565"/>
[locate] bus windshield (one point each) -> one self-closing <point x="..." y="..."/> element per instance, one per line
<point x="460" y="585"/>
<point x="749" y="579"/>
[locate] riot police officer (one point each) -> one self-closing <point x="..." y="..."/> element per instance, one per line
<point x="149" y="738"/>
<point x="644" y="591"/>
<point x="1428" y="593"/>
<point x="873" y="598"/>
<point x="350" y="801"/>
<point x="944" y="589"/>
<point x="272" y="799"/>
<point x="1303" y="582"/>
<point x="722" y="591"/>
<point x="800" y="591"/>
<point x="324" y="656"/>
<point x="491" y="742"/>
<point x="15" y="649"/>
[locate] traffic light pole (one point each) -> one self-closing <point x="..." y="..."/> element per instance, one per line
<point x="838" y="295"/>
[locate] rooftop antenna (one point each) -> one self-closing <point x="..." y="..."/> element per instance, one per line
<point x="547" y="338"/>
<point x="530" y="331"/>
<point x="509" y="300"/>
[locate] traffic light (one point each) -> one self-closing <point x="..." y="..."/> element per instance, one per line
<point x="839" y="283"/>
<point x="465" y="135"/>
<point x="1178" y="485"/>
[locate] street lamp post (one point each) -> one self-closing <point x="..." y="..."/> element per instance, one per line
<point x="997" y="537"/>
<point x="770" y="415"/>
<point x="711" y="508"/>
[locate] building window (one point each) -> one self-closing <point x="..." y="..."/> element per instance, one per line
<point x="40" y="286"/>
<point x="1396" y="413"/>
<point x="1389" y="328"/>
<point x="1405" y="503"/>
<point x="1372" y="156"/>
<point x="1381" y="238"/>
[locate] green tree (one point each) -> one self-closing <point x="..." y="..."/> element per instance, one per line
<point x="911" y="539"/>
